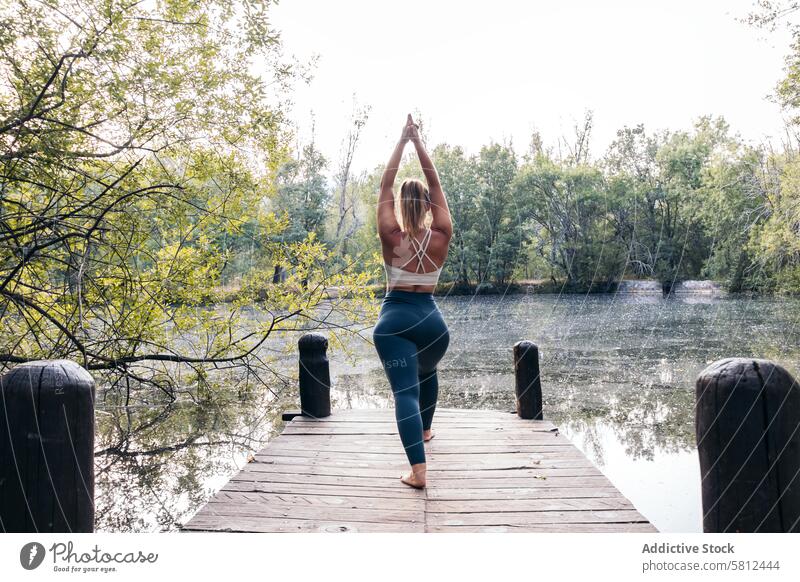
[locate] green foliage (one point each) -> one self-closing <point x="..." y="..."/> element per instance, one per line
<point x="303" y="194"/>
<point x="568" y="205"/>
<point x="788" y="89"/>
<point x="139" y="155"/>
<point x="775" y="240"/>
<point x="459" y="179"/>
<point x="497" y="236"/>
<point x="487" y="235"/>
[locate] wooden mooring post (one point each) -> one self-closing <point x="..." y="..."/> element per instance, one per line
<point x="528" y="385"/>
<point x="314" y="378"/>
<point x="47" y="448"/>
<point x="747" y="422"/>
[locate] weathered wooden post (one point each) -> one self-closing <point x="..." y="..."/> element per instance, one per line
<point x="47" y="448"/>
<point x="527" y="383"/>
<point x="315" y="378"/>
<point x="747" y="423"/>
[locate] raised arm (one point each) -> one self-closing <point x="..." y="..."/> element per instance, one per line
<point x="439" y="209"/>
<point x="387" y="220"/>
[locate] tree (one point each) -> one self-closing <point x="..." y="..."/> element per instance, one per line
<point x="731" y="210"/>
<point x="775" y="238"/>
<point x="569" y="205"/>
<point x="347" y="217"/>
<point x="661" y="185"/>
<point x="773" y="241"/>
<point x="459" y="179"/>
<point x="496" y="239"/>
<point x="303" y="195"/>
<point x="303" y="198"/>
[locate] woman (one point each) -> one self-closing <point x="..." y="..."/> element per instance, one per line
<point x="411" y="335"/>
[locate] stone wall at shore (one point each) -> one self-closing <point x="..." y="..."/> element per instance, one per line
<point x="704" y="287"/>
<point x="640" y="287"/>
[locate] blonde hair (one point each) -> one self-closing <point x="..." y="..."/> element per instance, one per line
<point x="414" y="202"/>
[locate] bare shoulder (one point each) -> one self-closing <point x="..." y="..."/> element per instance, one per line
<point x="391" y="242"/>
<point x="440" y="241"/>
<point x="390" y="234"/>
<point x="388" y="226"/>
<point x="441" y="235"/>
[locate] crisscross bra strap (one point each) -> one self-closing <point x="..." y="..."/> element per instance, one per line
<point x="421" y="252"/>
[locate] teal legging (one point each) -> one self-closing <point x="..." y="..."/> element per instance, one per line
<point x="411" y="337"/>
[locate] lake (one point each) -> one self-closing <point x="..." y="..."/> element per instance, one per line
<point x="618" y="375"/>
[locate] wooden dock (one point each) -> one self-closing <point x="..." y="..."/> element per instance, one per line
<point x="488" y="471"/>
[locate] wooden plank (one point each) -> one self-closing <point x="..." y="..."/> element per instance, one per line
<point x="546" y="528"/>
<point x="242" y="523"/>
<point x="539" y="439"/>
<point x="443" y="494"/>
<point x="432" y="454"/>
<point x="367" y="425"/>
<point x="436" y="463"/>
<point x="534" y="471"/>
<point x="350" y="481"/>
<point x="521" y="505"/>
<point x="533" y="517"/>
<point x="466" y="439"/>
<point x="513" y="481"/>
<point x="410" y="503"/>
<point x="325" y="513"/>
<point x="493" y="483"/>
<point x="485" y="423"/>
<point x="291" y="446"/>
<point x="444" y="420"/>
<point x="514" y="494"/>
<point x="314" y="470"/>
<point x="379" y="416"/>
<point x="395" y="492"/>
<point x="386" y="428"/>
<point x="433" y="475"/>
<point x="389" y="413"/>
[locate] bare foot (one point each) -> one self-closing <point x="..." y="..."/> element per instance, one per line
<point x="428" y="435"/>
<point x="416" y="478"/>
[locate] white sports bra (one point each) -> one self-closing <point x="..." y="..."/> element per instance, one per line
<point x="398" y="276"/>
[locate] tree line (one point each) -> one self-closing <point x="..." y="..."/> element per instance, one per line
<point x="666" y="205"/>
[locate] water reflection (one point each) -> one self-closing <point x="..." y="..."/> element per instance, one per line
<point x="665" y="488"/>
<point x="617" y="373"/>
<point x="156" y="465"/>
<point x="618" y="376"/>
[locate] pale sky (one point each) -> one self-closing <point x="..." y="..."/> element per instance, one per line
<point x="495" y="70"/>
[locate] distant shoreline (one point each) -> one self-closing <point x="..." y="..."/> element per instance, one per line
<point x="548" y="287"/>
<point x="627" y="287"/>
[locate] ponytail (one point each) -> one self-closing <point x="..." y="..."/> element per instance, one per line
<point x="414" y="198"/>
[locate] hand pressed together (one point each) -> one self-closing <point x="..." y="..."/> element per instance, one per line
<point x="410" y="130"/>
